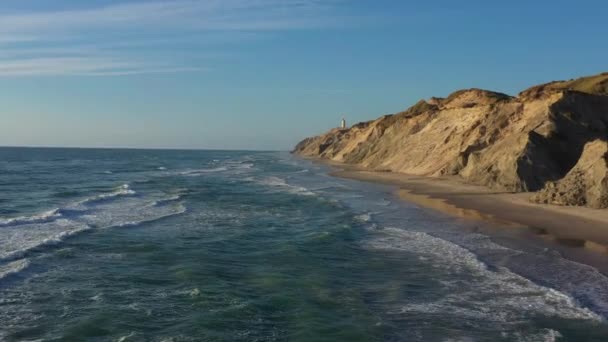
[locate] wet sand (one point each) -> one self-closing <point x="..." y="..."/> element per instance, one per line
<point x="580" y="234"/>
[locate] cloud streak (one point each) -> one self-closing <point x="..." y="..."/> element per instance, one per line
<point x="84" y="66"/>
<point x="91" y="41"/>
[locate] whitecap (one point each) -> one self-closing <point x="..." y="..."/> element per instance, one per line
<point x="281" y="183"/>
<point x="273" y="181"/>
<point x="46" y="216"/>
<point x="241" y="166"/>
<point x="364" y="218"/>
<point x="194" y="293"/>
<point x="498" y="295"/>
<point x="200" y="172"/>
<point x="164" y="201"/>
<point x="97" y="298"/>
<point x="178" y="211"/>
<point x="126" y="337"/>
<point x="13" y="267"/>
<point x="123" y="190"/>
<point x="22" y="235"/>
<point x="16" y="241"/>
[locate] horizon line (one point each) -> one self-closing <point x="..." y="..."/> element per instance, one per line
<point x="139" y="148"/>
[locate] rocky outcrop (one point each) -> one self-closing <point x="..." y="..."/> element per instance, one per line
<point x="585" y="185"/>
<point x="507" y="143"/>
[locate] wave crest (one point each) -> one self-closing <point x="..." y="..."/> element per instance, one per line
<point x="277" y="182"/>
<point x="13" y="268"/>
<point x="123" y="190"/>
<point x="496" y="294"/>
<point x="46" y="216"/>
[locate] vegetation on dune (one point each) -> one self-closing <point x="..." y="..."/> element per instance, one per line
<point x="596" y="85"/>
<point x="417" y="109"/>
<point x="486" y="93"/>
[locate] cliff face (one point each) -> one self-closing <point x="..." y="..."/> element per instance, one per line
<point x="586" y="184"/>
<point x="507" y="143"/>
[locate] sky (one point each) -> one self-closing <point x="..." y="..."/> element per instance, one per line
<point x="263" y="74"/>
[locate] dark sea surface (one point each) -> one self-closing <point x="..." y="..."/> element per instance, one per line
<point x="142" y="245"/>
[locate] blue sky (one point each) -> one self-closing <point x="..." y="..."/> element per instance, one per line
<point x="262" y="74"/>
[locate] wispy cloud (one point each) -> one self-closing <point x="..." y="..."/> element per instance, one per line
<point x="84" y="66"/>
<point x="101" y="40"/>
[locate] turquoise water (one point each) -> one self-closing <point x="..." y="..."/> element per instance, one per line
<point x="133" y="245"/>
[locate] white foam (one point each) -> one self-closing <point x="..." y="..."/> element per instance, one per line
<point x="178" y="211"/>
<point x="57" y="213"/>
<point x="383" y="202"/>
<point x="241" y="165"/>
<point x="97" y="298"/>
<point x="20" y="236"/>
<point x="136" y="306"/>
<point x="545" y="335"/>
<point x="130" y="211"/>
<point x="37" y="218"/>
<point x="194" y="292"/>
<point x="240" y="168"/>
<point x="167" y="200"/>
<point x="200" y="172"/>
<point x="501" y="296"/>
<point x="583" y="282"/>
<point x="15" y="241"/>
<point x="364" y="217"/>
<point x="127" y="337"/>
<point x="123" y="190"/>
<point x="277" y="182"/>
<point x="13" y="267"/>
<point x="273" y="181"/>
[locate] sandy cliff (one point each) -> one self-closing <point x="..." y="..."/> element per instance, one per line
<point x="545" y="139"/>
<point x="585" y="184"/>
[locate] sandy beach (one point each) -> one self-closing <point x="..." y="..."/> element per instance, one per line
<point x="580" y="234"/>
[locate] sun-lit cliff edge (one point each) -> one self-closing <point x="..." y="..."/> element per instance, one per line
<point x="550" y="139"/>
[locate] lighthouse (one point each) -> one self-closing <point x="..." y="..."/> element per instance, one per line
<point x="343" y="124"/>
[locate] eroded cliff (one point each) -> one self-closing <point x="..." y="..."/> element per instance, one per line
<point x="507" y="143"/>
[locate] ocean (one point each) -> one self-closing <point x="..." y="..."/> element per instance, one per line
<point x="159" y="245"/>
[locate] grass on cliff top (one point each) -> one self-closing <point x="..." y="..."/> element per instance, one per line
<point x="417" y="109"/>
<point x="593" y="84"/>
<point x="487" y="93"/>
<point x="596" y="85"/>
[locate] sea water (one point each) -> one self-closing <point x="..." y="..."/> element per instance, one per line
<point x="143" y="245"/>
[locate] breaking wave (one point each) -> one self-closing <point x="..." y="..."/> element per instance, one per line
<point x="495" y="294"/>
<point x="14" y="267"/>
<point x="200" y="172"/>
<point x="22" y="235"/>
<point x="282" y="184"/>
<point x="123" y="190"/>
<point x="37" y="218"/>
<point x="57" y="213"/>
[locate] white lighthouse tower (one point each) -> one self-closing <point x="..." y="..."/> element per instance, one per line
<point x="343" y="124"/>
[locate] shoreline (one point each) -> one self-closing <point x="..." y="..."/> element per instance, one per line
<point x="578" y="233"/>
